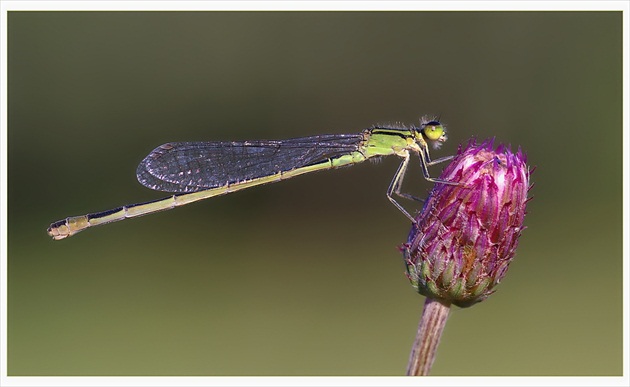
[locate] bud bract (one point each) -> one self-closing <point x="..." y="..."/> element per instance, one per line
<point x="467" y="232"/>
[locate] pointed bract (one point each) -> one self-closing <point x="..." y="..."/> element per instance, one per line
<point x="466" y="234"/>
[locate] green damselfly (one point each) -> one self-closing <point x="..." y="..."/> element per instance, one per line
<point x="199" y="170"/>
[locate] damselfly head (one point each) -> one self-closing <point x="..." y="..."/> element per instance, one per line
<point x="433" y="132"/>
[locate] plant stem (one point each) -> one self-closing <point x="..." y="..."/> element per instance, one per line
<point x="430" y="328"/>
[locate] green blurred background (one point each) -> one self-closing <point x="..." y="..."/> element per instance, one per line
<point x="304" y="277"/>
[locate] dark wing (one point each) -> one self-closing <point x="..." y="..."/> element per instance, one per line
<point x="196" y="166"/>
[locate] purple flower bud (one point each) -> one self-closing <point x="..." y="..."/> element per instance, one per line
<point x="466" y="234"/>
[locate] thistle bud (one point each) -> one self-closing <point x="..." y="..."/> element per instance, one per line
<point x="467" y="232"/>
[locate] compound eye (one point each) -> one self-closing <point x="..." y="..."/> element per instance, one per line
<point x="433" y="130"/>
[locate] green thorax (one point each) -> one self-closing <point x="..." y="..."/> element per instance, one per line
<point x="387" y="141"/>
